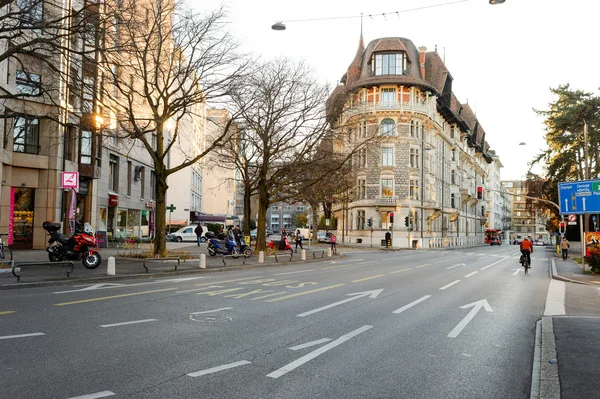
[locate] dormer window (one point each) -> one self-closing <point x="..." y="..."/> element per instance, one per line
<point x="387" y="63"/>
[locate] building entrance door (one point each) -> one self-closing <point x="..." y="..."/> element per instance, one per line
<point x="24" y="199"/>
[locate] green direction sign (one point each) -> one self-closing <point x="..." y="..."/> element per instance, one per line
<point x="596" y="186"/>
<point x="171" y="208"/>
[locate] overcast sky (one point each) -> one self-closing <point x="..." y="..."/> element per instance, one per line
<point x="503" y="58"/>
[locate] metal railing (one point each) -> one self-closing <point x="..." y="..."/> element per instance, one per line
<point x="162" y="260"/>
<point x="16" y="267"/>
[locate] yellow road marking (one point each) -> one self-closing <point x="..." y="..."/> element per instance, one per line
<point x="299" y="271"/>
<point x="229" y="281"/>
<point x="304" y="293"/>
<point x="7" y="312"/>
<point x="112" y="297"/>
<point x="368" y="278"/>
<point x="400" y="271"/>
<point x="426" y="264"/>
<point x="335" y="267"/>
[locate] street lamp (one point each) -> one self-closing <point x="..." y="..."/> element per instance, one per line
<point x="493" y="2"/>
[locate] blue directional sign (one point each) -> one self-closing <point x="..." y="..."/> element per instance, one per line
<point x="579" y="197"/>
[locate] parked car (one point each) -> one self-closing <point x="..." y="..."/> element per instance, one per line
<point x="254" y="232"/>
<point x="323" y="236"/>
<point x="538" y="243"/>
<point x="187" y="234"/>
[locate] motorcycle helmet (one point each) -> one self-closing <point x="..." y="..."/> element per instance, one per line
<point x="88" y="229"/>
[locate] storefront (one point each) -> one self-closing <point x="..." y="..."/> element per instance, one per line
<point x="21" y="218"/>
<point x="116" y="224"/>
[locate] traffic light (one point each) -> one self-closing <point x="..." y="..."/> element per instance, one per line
<point x="406" y="221"/>
<point x="370" y="222"/>
<point x="391" y="217"/>
<point x="479" y="192"/>
<point x="562" y="227"/>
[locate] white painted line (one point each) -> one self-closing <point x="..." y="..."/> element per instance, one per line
<point x="353" y="260"/>
<point x="495" y="263"/>
<point x="410" y="305"/>
<point x="453" y="266"/>
<point x="96" y="395"/>
<point x="297" y="271"/>
<point x="309" y="344"/>
<point x="211" y="311"/>
<point x="555" y="300"/>
<point x="466" y="354"/>
<point x="127" y="322"/>
<point x="219" y="368"/>
<point x="299" y="362"/>
<point x="470" y="274"/>
<point x="22" y="335"/>
<point x="449" y="285"/>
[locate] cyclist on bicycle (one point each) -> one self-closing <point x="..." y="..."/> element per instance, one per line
<point x="527" y="248"/>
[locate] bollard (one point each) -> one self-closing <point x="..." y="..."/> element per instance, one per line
<point x="261" y="257"/>
<point x="110" y="269"/>
<point x="329" y="252"/>
<point x="303" y="254"/>
<point x="202" y="261"/>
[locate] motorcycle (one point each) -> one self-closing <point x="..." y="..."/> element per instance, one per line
<point x="226" y="245"/>
<point x="80" y="246"/>
<point x="283" y="245"/>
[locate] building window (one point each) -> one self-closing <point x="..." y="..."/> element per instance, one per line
<point x="29" y="83"/>
<point x="388" y="64"/>
<point x="113" y="173"/>
<point x="452" y="200"/>
<point x="415" y="129"/>
<point x="387" y="127"/>
<point x="388" y="97"/>
<point x="362" y="189"/>
<point x="360" y="220"/>
<point x="453" y="176"/>
<point x="142" y="181"/>
<point x="86" y="147"/>
<point x="129" y="177"/>
<point x="362" y="158"/>
<point x="300" y="209"/>
<point x="387" y="156"/>
<point x="387" y="187"/>
<point x="274" y="208"/>
<point x="413" y="191"/>
<point x="70" y="141"/>
<point x="26" y="134"/>
<point x="32" y="11"/>
<point x="362" y="130"/>
<point x="414" y="158"/>
<point x="287" y="208"/>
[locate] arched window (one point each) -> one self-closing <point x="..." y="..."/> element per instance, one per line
<point x="387" y="127"/>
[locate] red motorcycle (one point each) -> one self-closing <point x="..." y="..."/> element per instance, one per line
<point x="80" y="246"/>
<point x="282" y="245"/>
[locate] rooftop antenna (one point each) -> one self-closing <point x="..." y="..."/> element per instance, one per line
<point x="361" y="22"/>
<point x="444" y="54"/>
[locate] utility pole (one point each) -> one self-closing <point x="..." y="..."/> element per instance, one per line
<point x="583" y="221"/>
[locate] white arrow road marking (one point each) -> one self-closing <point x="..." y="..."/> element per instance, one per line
<point x="370" y="294"/>
<point x="495" y="263"/>
<point x="127" y="323"/>
<point x="299" y="362"/>
<point x="211" y="311"/>
<point x="516" y="271"/>
<point x="476" y="306"/>
<point x="449" y="285"/>
<point x="96" y="395"/>
<point x="22" y="335"/>
<point x="410" y="305"/>
<point x="114" y="285"/>
<point x="309" y="344"/>
<point x="219" y="368"/>
<point x="453" y="266"/>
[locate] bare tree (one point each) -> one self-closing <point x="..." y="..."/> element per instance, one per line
<point x="164" y="63"/>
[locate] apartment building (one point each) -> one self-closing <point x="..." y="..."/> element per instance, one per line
<point x="524" y="222"/>
<point x="424" y="153"/>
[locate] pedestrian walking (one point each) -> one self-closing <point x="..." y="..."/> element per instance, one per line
<point x="298" y="240"/>
<point x="333" y="241"/>
<point x="198" y="232"/>
<point x="564" y="247"/>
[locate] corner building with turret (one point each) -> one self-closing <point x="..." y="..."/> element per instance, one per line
<point x="419" y="157"/>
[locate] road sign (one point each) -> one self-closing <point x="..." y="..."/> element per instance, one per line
<point x="70" y="180"/>
<point x="572" y="218"/>
<point x="171" y="208"/>
<point x="579" y="197"/>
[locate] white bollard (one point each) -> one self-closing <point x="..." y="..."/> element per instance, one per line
<point x="202" y="261"/>
<point x="261" y="257"/>
<point x="303" y="254"/>
<point x="329" y="252"/>
<point x="110" y="269"/>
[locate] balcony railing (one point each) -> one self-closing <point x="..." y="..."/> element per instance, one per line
<point x="425" y="108"/>
<point x="386" y="200"/>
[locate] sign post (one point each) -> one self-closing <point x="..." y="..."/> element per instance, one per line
<point x="170" y="208"/>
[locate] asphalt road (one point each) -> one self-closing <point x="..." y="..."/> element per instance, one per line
<point x="409" y="324"/>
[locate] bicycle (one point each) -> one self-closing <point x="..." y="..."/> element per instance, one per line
<point x="526" y="264"/>
<point x="5" y="251"/>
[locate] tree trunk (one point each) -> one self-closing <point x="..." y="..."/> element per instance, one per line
<point x="315" y="221"/>
<point x="247" y="210"/>
<point x="160" y="238"/>
<point x="263" y="205"/>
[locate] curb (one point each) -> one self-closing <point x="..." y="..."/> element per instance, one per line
<point x="52" y="283"/>
<point x="557" y="276"/>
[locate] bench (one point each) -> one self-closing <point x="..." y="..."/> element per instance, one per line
<point x="168" y="259"/>
<point x="21" y="265"/>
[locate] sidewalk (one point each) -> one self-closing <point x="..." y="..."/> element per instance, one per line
<point x="571" y="271"/>
<point x="52" y="274"/>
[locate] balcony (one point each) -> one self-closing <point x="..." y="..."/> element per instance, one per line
<point x="425" y="109"/>
<point x="378" y="201"/>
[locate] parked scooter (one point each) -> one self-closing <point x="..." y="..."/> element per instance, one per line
<point x="80" y="246"/>
<point x="226" y="245"/>
<point x="245" y="248"/>
<point x="283" y="245"/>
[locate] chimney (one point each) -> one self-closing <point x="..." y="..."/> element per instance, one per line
<point x="422" y="51"/>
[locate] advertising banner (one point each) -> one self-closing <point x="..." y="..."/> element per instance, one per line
<point x="592" y="241"/>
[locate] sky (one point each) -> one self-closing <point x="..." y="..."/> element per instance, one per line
<point x="504" y="58"/>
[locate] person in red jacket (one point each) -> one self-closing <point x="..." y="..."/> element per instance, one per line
<point x="527" y="248"/>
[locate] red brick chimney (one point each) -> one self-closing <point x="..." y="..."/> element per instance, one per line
<point x="422" y="51"/>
